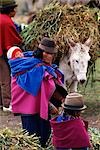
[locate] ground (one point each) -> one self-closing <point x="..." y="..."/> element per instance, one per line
<point x="92" y="115"/>
<point x="9" y="120"/>
<point x="14" y="122"/>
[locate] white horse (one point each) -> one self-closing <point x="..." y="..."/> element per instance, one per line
<point x="74" y="65"/>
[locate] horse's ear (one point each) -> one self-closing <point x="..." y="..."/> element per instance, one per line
<point x="71" y="43"/>
<point x="88" y="42"/>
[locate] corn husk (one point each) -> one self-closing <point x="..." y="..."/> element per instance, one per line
<point x="20" y="140"/>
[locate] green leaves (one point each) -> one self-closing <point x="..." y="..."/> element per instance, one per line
<point x="20" y="140"/>
<point x="95" y="137"/>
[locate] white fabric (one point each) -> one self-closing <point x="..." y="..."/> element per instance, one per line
<point x="11" y="50"/>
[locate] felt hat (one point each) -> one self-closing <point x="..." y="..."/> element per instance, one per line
<point x="48" y="45"/>
<point x="74" y="101"/>
<point x="7" y="4"/>
<point x="12" y="51"/>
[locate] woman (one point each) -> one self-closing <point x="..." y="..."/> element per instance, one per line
<point x="8" y="38"/>
<point x="33" y="84"/>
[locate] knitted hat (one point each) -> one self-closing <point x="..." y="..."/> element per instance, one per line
<point x="74" y="101"/>
<point x="12" y="51"/>
<point x="48" y="45"/>
<point x="7" y="3"/>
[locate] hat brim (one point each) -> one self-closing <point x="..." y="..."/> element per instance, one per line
<point x="51" y="50"/>
<point x="74" y="107"/>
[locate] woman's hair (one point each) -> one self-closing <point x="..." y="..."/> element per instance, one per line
<point x="7" y="10"/>
<point x="38" y="53"/>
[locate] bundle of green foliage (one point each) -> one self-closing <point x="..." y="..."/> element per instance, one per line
<point x="60" y="21"/>
<point x="19" y="140"/>
<point x="95" y="137"/>
<point x="11" y="140"/>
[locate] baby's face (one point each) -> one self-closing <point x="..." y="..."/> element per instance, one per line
<point x="19" y="54"/>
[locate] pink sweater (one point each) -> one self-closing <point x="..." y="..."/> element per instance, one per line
<point x="25" y="103"/>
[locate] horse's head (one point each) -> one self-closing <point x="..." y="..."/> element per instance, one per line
<point x="79" y="57"/>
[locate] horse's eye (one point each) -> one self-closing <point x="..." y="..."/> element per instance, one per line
<point x="77" y="61"/>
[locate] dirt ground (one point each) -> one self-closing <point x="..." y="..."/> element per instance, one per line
<point x="9" y="120"/>
<point x="14" y="122"/>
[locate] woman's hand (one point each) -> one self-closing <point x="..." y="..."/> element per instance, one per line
<point x="53" y="109"/>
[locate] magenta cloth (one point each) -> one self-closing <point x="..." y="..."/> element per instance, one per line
<point x="25" y="103"/>
<point x="8" y="34"/>
<point x="70" y="134"/>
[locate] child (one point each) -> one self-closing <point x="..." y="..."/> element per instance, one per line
<point x="14" y="52"/>
<point x="69" y="130"/>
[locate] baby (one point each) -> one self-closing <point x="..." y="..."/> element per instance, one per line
<point x="14" y="52"/>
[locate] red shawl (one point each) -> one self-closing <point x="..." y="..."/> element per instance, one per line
<point x="70" y="134"/>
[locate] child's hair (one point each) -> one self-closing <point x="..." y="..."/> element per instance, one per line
<point x="73" y="113"/>
<point x="38" y="53"/>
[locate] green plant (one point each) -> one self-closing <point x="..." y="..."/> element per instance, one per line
<point x="20" y="140"/>
<point x="95" y="137"/>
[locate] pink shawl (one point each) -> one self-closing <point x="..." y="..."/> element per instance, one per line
<point x="70" y="134"/>
<point x="25" y="103"/>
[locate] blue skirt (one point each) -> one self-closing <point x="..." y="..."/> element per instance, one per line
<point x="33" y="124"/>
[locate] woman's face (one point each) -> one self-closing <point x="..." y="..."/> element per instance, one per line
<point x="48" y="57"/>
<point x="12" y="13"/>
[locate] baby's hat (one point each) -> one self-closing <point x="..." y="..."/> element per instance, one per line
<point x="12" y="51"/>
